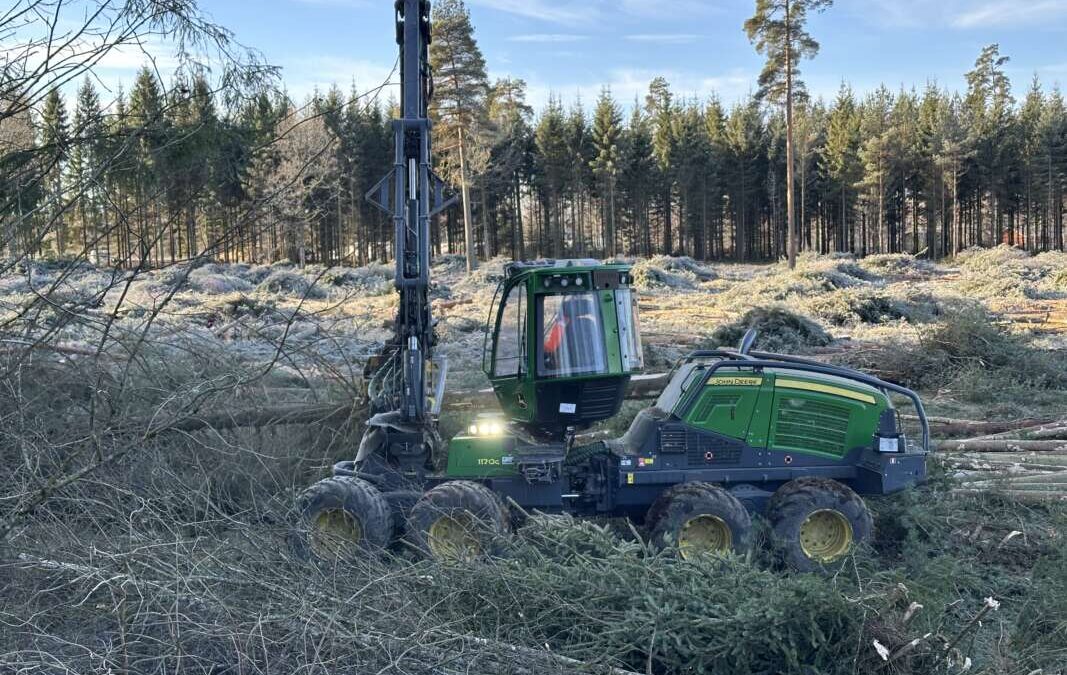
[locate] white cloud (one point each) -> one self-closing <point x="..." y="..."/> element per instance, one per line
<point x="668" y="8"/>
<point x="628" y="84"/>
<point x="303" y="75"/>
<point x="1010" y="13"/>
<point x="548" y="37"/>
<point x="665" y="38"/>
<point x="958" y="14"/>
<point x="585" y="11"/>
<point x="354" y="4"/>
<point x="554" y="11"/>
<point x="130" y="58"/>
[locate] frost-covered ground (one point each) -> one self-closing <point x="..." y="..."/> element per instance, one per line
<point x="173" y="544"/>
<point x="322" y="322"/>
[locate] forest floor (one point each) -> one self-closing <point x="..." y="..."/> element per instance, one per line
<point x="169" y="553"/>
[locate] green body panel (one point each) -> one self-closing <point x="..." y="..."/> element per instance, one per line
<point x="480" y="456"/>
<point x="790" y="413"/>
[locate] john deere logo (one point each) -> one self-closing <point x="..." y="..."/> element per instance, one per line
<point x="735" y="381"/>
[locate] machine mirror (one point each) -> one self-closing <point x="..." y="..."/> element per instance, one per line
<point x="747" y="341"/>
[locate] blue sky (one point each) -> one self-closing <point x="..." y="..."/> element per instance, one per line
<point x="573" y="47"/>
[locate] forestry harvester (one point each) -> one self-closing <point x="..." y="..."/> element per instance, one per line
<point x="734" y="434"/>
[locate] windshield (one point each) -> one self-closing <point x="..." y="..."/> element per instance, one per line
<point x="629" y="330"/>
<point x="572" y="340"/>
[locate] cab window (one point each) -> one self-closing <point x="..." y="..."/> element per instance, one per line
<point x="511" y="338"/>
<point x="572" y="336"/>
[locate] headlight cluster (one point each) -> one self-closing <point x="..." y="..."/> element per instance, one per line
<point x="486" y="428"/>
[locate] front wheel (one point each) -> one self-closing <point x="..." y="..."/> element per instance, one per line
<point x="457" y="521"/>
<point x="817" y="522"/>
<point x="344" y="517"/>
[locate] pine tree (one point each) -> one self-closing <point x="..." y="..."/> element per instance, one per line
<point x="1054" y="167"/>
<point x="511" y="153"/>
<point x="956" y="150"/>
<point x="778" y="29"/>
<point x="607" y="130"/>
<point x="459" y="104"/>
<point x="660" y="105"/>
<point x="987" y="104"/>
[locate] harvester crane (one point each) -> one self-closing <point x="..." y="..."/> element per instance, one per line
<point x="402" y="432"/>
<point x="734" y="434"/>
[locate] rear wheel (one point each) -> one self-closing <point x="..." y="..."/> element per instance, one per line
<point x="344" y="516"/>
<point x="457" y="522"/>
<point x="817" y="523"/>
<point x="700" y="518"/>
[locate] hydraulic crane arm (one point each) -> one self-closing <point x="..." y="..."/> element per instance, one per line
<point x="404" y="426"/>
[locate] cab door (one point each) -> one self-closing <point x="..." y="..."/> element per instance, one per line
<point x="507" y="363"/>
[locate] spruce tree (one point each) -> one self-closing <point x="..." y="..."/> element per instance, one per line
<point x="86" y="158"/>
<point x="841" y="163"/>
<point x="55" y="151"/>
<point x="553" y="173"/>
<point x="607" y="129"/>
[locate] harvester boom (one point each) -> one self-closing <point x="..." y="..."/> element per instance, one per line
<point x="400" y="397"/>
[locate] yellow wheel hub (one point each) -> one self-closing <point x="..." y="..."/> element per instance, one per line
<point x="334" y="533"/>
<point x="704" y="534"/>
<point x="826" y="536"/>
<point x="454" y="537"/>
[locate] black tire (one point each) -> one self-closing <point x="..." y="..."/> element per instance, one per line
<point x="794" y="509"/>
<point x="699" y="517"/>
<point x="457" y="521"/>
<point x="343" y="516"/>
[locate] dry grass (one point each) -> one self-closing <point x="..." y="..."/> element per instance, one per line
<point x="136" y="542"/>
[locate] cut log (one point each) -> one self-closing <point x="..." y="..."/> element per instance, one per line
<point x="946" y="426"/>
<point x="1045" y="430"/>
<point x="260" y="417"/>
<point x="449" y="304"/>
<point x="982" y="445"/>
<point x="1016" y="459"/>
<point x="1021" y="495"/>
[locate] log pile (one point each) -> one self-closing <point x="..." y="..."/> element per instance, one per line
<point x="1027" y="461"/>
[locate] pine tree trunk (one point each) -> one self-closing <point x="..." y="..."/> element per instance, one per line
<point x="791" y="234"/>
<point x="468" y="222"/>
